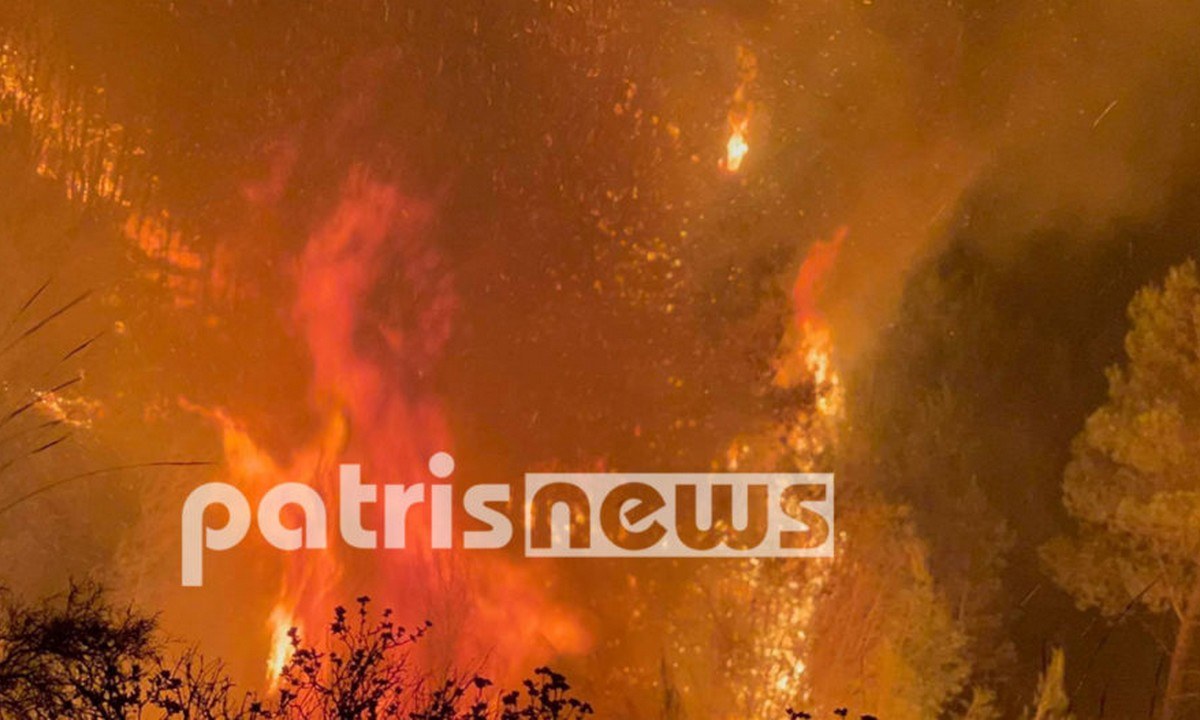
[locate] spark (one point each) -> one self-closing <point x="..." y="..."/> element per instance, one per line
<point x="1104" y="113"/>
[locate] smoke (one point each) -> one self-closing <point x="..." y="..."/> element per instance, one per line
<point x="904" y="123"/>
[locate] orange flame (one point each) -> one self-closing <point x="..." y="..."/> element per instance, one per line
<point x="811" y="279"/>
<point x="818" y="340"/>
<point x="372" y="363"/>
<point x="280" y="624"/>
<point x="813" y="356"/>
<point x="307" y="585"/>
<point x="740" y="110"/>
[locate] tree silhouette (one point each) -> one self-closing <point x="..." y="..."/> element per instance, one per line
<point x="76" y="658"/>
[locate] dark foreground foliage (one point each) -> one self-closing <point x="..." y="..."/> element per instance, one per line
<point x="80" y="657"/>
<point x="840" y="712"/>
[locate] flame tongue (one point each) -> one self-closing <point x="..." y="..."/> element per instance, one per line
<point x="280" y="624"/>
<point x="371" y="360"/>
<point x="740" y="110"/>
<point x="812" y="277"/>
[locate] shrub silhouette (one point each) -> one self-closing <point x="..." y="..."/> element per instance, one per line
<point x="840" y="712"/>
<point x="80" y="657"/>
<point x="367" y="672"/>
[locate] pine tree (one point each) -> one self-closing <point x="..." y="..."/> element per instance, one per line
<point x="1133" y="483"/>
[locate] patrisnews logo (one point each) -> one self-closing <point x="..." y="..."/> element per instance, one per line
<point x="660" y="515"/>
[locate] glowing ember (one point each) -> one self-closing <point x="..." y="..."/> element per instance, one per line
<point x="77" y="412"/>
<point x="737" y="147"/>
<point x="63" y="125"/>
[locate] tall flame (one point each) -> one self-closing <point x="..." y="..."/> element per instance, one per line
<point x="810" y="353"/>
<point x="780" y="640"/>
<point x="813" y="276"/>
<point x="372" y="356"/>
<point x="280" y="624"/>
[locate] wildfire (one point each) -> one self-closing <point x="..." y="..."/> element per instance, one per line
<point x="280" y="623"/>
<point x="811" y="354"/>
<point x="306" y="583"/>
<point x="98" y="161"/>
<point x="777" y="624"/>
<point x="368" y="364"/>
<point x="818" y="360"/>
